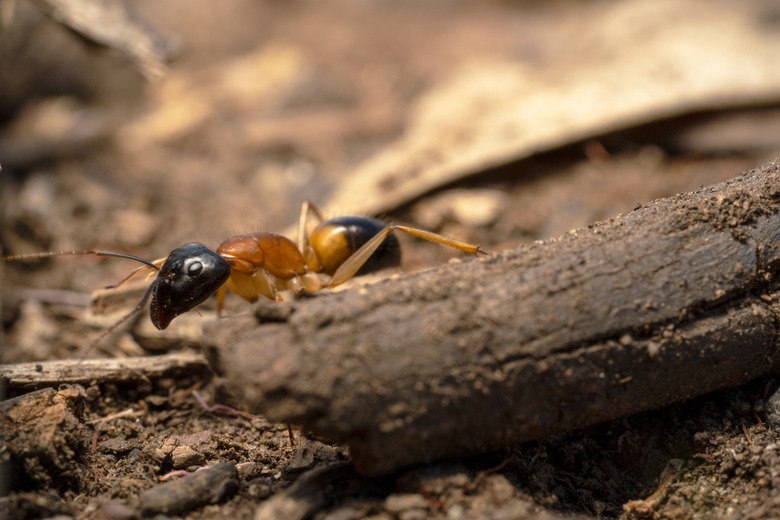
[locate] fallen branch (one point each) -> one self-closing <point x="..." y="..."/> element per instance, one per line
<point x="673" y="300"/>
<point x="209" y="486"/>
<point x="29" y="376"/>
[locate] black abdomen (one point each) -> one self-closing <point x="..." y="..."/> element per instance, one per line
<point x="336" y="239"/>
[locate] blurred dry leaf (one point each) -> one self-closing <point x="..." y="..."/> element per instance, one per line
<point x="113" y="24"/>
<point x="642" y="61"/>
<point x="186" y="100"/>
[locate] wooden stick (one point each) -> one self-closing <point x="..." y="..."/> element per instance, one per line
<point x="28" y="376"/>
<point x="209" y="486"/>
<point x="673" y="300"/>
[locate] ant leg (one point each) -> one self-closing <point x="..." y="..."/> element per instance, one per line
<point x="307" y="209"/>
<point x="128" y="277"/>
<point x="221" y="299"/>
<point x="157" y="263"/>
<point x="306" y="282"/>
<point x="264" y="284"/>
<point x="251" y="286"/>
<point x="138" y="308"/>
<point x="353" y="264"/>
<point x="439" y="239"/>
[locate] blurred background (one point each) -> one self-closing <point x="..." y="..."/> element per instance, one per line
<point x="138" y="127"/>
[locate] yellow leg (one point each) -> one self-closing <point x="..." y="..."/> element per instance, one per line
<point x="264" y="283"/>
<point x="439" y="239"/>
<point x="221" y="299"/>
<point x="307" y="209"/>
<point x="353" y="264"/>
<point x="151" y="272"/>
<point x="241" y="284"/>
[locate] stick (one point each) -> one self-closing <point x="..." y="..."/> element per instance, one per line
<point x="28" y="376"/>
<point x="673" y="300"/>
<point x="209" y="486"/>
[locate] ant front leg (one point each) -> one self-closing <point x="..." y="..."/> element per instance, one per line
<point x="353" y="264"/>
<point x="150" y="271"/>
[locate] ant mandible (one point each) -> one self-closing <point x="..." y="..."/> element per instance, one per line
<point x="263" y="264"/>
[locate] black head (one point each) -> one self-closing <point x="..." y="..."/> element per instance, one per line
<point x="189" y="275"/>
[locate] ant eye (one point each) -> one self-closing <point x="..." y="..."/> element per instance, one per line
<point x="194" y="268"/>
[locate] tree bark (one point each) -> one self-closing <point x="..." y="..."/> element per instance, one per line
<point x="672" y="300"/>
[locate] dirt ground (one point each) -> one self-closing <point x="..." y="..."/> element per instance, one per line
<point x="266" y="105"/>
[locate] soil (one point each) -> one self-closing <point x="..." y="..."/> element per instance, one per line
<point x="91" y="451"/>
<point x="720" y="459"/>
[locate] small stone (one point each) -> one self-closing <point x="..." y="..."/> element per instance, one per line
<point x="116" y="510"/>
<point x="397" y="504"/>
<point x="499" y="488"/>
<point x="185" y="456"/>
<point x="456" y="512"/>
<point x="653" y="348"/>
<point x="118" y="445"/>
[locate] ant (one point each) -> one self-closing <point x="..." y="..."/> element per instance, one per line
<point x="264" y="264"/>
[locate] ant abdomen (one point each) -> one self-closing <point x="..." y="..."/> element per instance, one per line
<point x="335" y="240"/>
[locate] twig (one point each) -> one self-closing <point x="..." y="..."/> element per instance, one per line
<point x="210" y="486"/>
<point x="651" y="307"/>
<point x="27" y="376"/>
<point x="123" y="413"/>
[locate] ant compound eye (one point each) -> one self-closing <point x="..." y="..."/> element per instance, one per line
<point x="194" y="268"/>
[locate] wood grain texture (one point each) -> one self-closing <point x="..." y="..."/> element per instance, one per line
<point x="19" y="377"/>
<point x="672" y="300"/>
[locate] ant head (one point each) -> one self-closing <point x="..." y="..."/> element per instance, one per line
<point x="189" y="275"/>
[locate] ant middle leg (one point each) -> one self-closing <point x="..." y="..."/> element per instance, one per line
<point x="307" y="210"/>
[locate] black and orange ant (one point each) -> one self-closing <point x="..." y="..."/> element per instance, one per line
<point x="263" y="264"/>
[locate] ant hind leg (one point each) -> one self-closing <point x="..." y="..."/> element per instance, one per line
<point x="353" y="264"/>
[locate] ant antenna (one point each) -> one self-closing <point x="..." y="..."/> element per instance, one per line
<point x="96" y="252"/>
<point x="99" y="252"/>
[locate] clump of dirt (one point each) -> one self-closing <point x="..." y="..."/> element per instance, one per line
<point x="45" y="437"/>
